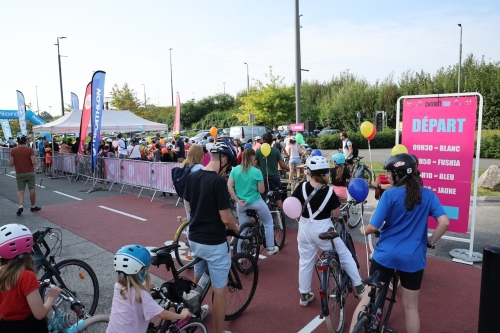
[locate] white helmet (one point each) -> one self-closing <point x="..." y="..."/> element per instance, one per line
<point x="15" y="239"/>
<point x="131" y="258"/>
<point x="318" y="164"/>
<point x="258" y="137"/>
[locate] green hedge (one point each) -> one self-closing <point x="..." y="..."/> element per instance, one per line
<point x="490" y="147"/>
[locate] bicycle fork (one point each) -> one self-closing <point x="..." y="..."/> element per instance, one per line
<point x="280" y="223"/>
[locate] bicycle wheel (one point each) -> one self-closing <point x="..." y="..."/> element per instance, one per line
<point x="355" y="215"/>
<point x="362" y="326"/>
<point x="279" y="228"/>
<point x="334" y="298"/>
<point x="194" y="326"/>
<point x="79" y="278"/>
<point x="182" y="253"/>
<point x="95" y="324"/>
<point x="368" y="176"/>
<point x="251" y="247"/>
<point x="240" y="287"/>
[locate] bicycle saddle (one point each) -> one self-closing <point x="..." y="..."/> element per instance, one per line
<point x="373" y="280"/>
<point x="330" y="234"/>
<point x="164" y="249"/>
<point x="251" y="212"/>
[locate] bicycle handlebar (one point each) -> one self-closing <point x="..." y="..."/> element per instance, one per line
<point x="67" y="296"/>
<point x="39" y="238"/>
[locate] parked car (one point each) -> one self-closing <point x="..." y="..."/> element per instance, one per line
<point x="198" y="137"/>
<point x="245" y="133"/>
<point x="328" y="131"/>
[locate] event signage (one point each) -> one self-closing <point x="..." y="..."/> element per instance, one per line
<point x="440" y="132"/>
<point x="96" y="118"/>
<point x="297" y="127"/>
<point x="21" y="112"/>
<point x="84" y="122"/>
<point x="7" y="132"/>
<point x="74" y="101"/>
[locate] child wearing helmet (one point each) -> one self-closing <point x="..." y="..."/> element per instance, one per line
<point x="315" y="218"/>
<point x="21" y="306"/>
<point x="132" y="306"/>
<point x="339" y="176"/>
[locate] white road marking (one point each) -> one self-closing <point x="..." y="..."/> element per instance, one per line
<point x="40" y="186"/>
<point x="312" y="325"/>
<point x="15" y="178"/>
<point x="117" y="211"/>
<point x="67" y="195"/>
<point x="11" y="176"/>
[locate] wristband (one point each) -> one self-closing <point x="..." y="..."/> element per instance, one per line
<point x="431" y="244"/>
<point x="379" y="185"/>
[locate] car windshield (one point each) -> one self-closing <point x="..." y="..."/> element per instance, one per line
<point x="201" y="134"/>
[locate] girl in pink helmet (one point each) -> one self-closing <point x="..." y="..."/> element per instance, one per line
<point x="21" y="306"/>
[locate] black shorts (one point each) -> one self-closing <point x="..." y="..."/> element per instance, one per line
<point x="274" y="184"/>
<point x="410" y="281"/>
<point x="350" y="161"/>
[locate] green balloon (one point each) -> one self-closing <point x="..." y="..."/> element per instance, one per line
<point x="299" y="138"/>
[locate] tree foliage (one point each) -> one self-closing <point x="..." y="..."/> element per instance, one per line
<point x="124" y="98"/>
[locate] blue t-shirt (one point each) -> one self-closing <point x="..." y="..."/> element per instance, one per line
<point x="403" y="238"/>
<point x="180" y="144"/>
<point x="41" y="147"/>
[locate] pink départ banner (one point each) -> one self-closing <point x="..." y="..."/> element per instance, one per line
<point x="297" y="127"/>
<point x="441" y="132"/>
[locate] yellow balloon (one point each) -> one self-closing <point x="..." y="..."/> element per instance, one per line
<point x="366" y="129"/>
<point x="149" y="140"/>
<point x="265" y="149"/>
<point x="399" y="149"/>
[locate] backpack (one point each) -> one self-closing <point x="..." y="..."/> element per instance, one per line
<point x="179" y="177"/>
<point x="355" y="150"/>
<point x="277" y="145"/>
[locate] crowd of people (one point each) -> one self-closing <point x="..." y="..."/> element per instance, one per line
<point x="218" y="171"/>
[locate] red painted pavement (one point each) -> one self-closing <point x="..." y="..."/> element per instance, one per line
<point x="449" y="298"/>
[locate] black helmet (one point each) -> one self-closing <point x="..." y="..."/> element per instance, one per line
<point x="224" y="147"/>
<point x="404" y="162"/>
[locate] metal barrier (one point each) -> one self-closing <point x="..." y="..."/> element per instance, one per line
<point x="161" y="177"/>
<point x="4" y="157"/>
<point x="135" y="173"/>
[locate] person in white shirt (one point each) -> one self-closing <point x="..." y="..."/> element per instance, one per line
<point x="134" y="150"/>
<point x="122" y="151"/>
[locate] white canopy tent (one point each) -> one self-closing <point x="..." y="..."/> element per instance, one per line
<point x="112" y="121"/>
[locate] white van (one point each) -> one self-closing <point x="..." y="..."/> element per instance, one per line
<point x="245" y="133"/>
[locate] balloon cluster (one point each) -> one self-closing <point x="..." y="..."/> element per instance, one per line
<point x="368" y="130"/>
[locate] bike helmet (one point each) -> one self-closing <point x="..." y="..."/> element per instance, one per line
<point x="338" y="158"/>
<point x="317" y="152"/>
<point x="170" y="146"/>
<point x="258" y="137"/>
<point x="247" y="145"/>
<point x="401" y="162"/>
<point x="15" y="240"/>
<point x="130" y="259"/>
<point x="292" y="138"/>
<point x="318" y="165"/>
<point x="176" y="134"/>
<point x="225" y="148"/>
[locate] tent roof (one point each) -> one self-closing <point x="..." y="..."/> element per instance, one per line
<point x="112" y="121"/>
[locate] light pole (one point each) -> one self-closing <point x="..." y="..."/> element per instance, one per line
<point x="224" y="87"/>
<point x="37" y="108"/>
<point x="297" y="63"/>
<point x="193" y="97"/>
<point x="171" y="79"/>
<point x="303" y="70"/>
<point x="459" y="57"/>
<point x="50" y="110"/>
<point x="144" y="94"/>
<point x="60" y="74"/>
<point x="248" y="81"/>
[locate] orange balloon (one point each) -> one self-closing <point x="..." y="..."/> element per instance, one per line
<point x="213" y="131"/>
<point x="162" y="142"/>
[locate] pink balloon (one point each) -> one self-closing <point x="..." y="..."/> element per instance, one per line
<point x="115" y="144"/>
<point x="292" y="207"/>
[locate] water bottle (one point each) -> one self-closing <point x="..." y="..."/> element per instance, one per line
<point x="203" y="282"/>
<point x="37" y="258"/>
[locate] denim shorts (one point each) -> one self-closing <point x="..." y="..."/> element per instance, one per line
<point x="294" y="161"/>
<point x="218" y="260"/>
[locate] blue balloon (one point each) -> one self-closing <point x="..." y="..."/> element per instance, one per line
<point x="316" y="152"/>
<point x="358" y="189"/>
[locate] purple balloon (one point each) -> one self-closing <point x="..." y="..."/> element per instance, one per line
<point x="358" y="189"/>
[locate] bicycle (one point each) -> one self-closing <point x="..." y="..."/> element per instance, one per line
<point x="335" y="284"/>
<point x="73" y="275"/>
<point x="361" y="170"/>
<point x="278" y="218"/>
<point x="191" y="324"/>
<point x="61" y="322"/>
<point x="372" y="242"/>
<point x="370" y="319"/>
<point x="350" y="212"/>
<point x="240" y="287"/>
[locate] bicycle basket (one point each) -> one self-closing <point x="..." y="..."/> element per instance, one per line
<point x="174" y="290"/>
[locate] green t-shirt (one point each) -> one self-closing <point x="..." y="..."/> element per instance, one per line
<point x="269" y="165"/>
<point x="246" y="183"/>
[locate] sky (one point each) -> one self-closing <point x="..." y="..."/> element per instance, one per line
<point x="212" y="40"/>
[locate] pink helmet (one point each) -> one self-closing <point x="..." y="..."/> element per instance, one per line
<point x="15" y="239"/>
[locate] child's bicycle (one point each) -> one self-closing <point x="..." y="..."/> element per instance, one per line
<point x="241" y="283"/>
<point x="361" y="170"/>
<point x="61" y="322"/>
<point x="190" y="324"/>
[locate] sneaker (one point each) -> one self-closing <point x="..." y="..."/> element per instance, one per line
<point x="272" y="250"/>
<point x="306" y="299"/>
<point x="35" y="209"/>
<point x="360" y="290"/>
<point x="19" y="211"/>
<point x="204" y="311"/>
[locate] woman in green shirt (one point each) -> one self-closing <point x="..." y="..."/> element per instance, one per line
<point x="245" y="185"/>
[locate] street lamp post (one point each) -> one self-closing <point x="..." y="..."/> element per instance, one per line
<point x="224" y="87"/>
<point x="37" y="108"/>
<point x="297" y="63"/>
<point x="171" y="79"/>
<point x="60" y="74"/>
<point x="50" y="109"/>
<point x="459" y="57"/>
<point x="144" y="94"/>
<point x="248" y="81"/>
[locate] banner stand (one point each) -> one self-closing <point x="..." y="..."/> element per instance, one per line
<point x="94" y="182"/>
<point x="464" y="256"/>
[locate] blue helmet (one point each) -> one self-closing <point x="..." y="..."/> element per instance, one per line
<point x="317" y="152"/>
<point x="338" y="158"/>
<point x="247" y="145"/>
<point x="130" y="259"/>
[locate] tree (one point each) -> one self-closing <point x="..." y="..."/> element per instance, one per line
<point x="272" y="103"/>
<point x="46" y="116"/>
<point x="124" y="98"/>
